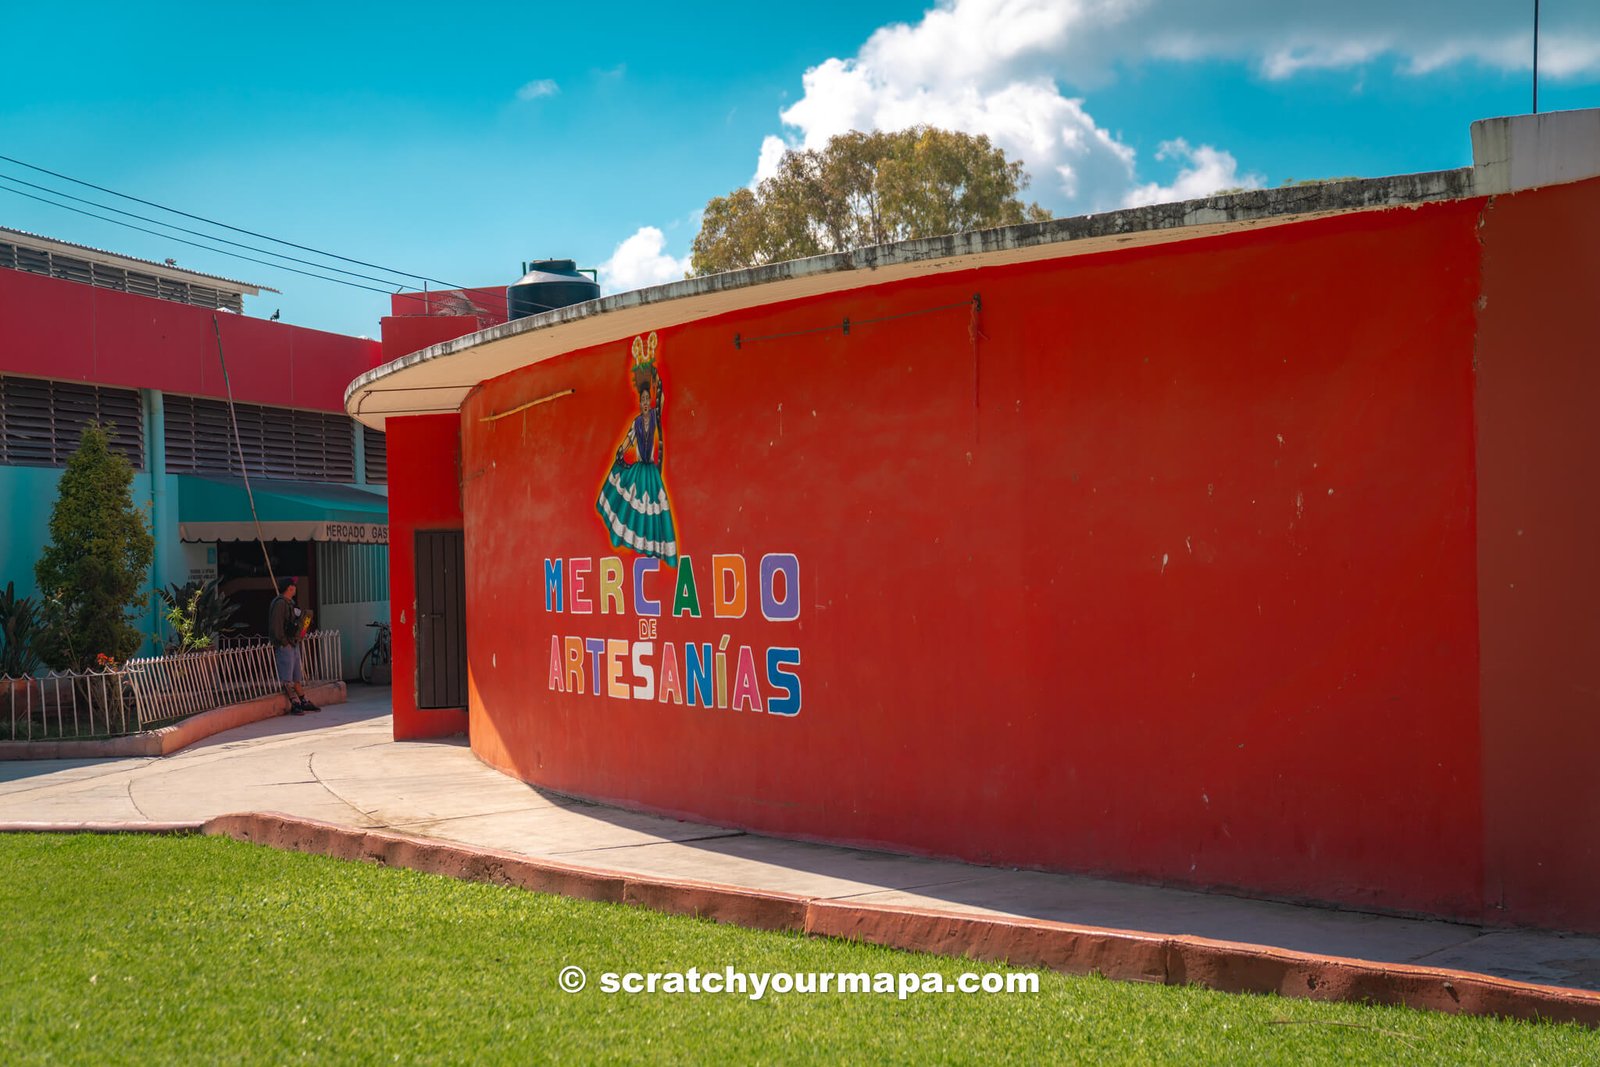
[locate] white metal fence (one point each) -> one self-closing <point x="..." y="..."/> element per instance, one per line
<point x="146" y="693"/>
<point x="67" y="705"/>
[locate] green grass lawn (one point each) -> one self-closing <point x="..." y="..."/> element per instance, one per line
<point x="202" y="949"/>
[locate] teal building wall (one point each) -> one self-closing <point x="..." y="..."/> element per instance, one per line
<point x="27" y="495"/>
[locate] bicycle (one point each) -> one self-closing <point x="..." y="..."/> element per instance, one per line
<point x="378" y="655"/>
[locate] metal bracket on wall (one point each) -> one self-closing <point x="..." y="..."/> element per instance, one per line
<point x="524" y="407"/>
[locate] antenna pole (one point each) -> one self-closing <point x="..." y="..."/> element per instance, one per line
<point x="1535" y="57"/>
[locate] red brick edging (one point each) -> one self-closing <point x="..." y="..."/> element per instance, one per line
<point x="1125" y="955"/>
<point x="168" y="739"/>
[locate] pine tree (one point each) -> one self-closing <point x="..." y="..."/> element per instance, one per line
<point x="93" y="572"/>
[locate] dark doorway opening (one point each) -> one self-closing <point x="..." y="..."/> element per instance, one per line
<point x="441" y="559"/>
<point x="242" y="575"/>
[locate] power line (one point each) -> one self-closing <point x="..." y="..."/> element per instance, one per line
<point x="224" y="225"/>
<point x="227" y="226"/>
<point x="210" y="237"/>
<point x="196" y="244"/>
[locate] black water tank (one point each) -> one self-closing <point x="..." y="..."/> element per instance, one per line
<point x="549" y="283"/>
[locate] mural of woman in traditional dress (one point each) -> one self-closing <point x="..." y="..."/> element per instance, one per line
<point x="633" y="498"/>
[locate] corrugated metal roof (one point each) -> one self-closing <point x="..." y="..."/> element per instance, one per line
<point x="51" y="244"/>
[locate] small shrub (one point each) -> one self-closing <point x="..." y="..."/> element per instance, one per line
<point x="93" y="571"/>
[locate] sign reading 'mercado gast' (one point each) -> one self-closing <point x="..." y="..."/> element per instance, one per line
<point x="663" y="591"/>
<point x="358" y="533"/>
<point x="361" y="533"/>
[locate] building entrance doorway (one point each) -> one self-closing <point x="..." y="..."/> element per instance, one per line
<point x="441" y="619"/>
<point x="242" y="575"/>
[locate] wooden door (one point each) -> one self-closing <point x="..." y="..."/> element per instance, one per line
<point x="441" y="619"/>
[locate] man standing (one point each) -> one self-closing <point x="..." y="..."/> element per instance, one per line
<point x="284" y="627"/>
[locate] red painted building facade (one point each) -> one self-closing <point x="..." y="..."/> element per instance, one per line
<point x="1248" y="554"/>
<point x="61" y="329"/>
<point x="86" y="333"/>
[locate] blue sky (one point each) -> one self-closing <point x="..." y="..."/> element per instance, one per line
<point x="456" y="142"/>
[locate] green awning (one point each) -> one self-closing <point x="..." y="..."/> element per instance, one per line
<point x="217" y="509"/>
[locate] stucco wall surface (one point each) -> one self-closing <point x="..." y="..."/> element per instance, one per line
<point x="1539" y="576"/>
<point x="1160" y="563"/>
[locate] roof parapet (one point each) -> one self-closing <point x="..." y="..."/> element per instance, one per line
<point x="1528" y="151"/>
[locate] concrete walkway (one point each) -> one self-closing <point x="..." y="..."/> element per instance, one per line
<point x="340" y="766"/>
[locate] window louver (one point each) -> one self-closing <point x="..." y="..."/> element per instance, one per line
<point x="76" y="269"/>
<point x="108" y="277"/>
<point x="72" y="270"/>
<point x="376" y="443"/>
<point x="33" y="261"/>
<point x="280" y="443"/>
<point x="41" y="420"/>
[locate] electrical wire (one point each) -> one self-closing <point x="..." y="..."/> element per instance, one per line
<point x="226" y="226"/>
<point x="235" y="229"/>
<point x="196" y="244"/>
<point x="208" y="236"/>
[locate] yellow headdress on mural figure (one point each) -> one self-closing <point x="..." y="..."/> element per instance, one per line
<point x="644" y="351"/>
<point x="644" y="361"/>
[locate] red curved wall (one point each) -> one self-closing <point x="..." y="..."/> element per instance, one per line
<point x="1165" y="566"/>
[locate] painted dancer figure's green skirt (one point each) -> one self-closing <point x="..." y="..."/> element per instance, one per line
<point x="633" y="505"/>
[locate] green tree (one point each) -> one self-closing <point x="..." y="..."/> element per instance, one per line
<point x="92" y="573"/>
<point x="864" y="189"/>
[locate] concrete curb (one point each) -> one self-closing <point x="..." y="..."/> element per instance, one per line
<point x="169" y="739"/>
<point x="1227" y="966"/>
<point x="741" y="907"/>
<point x="1125" y="955"/>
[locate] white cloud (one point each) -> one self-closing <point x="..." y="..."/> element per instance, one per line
<point x="772" y="149"/>
<point x="1569" y="57"/>
<point x="1423" y="35"/>
<point x="641" y="261"/>
<point x="535" y="89"/>
<point x="1561" y="57"/>
<point x="977" y="66"/>
<point x="1288" y="60"/>
<point x="1205" y="171"/>
<point x="999" y="67"/>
